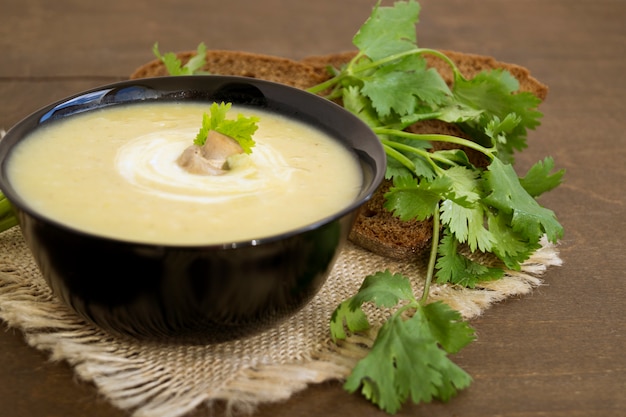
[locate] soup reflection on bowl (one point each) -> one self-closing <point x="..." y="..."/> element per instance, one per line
<point x="140" y="246"/>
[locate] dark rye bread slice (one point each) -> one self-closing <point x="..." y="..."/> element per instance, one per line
<point x="245" y="64"/>
<point x="375" y="228"/>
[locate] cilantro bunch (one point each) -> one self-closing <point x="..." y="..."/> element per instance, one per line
<point x="475" y="209"/>
<point x="389" y="86"/>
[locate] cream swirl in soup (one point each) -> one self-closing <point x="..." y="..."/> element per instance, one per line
<point x="113" y="172"/>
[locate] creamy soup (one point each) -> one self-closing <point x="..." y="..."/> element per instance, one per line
<point x="113" y="172"/>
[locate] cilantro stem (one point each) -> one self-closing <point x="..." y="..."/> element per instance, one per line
<point x="436" y="138"/>
<point x="432" y="258"/>
<point x="351" y="68"/>
<point x="416" y="51"/>
<point x="7" y="219"/>
<point x="5" y="206"/>
<point x="445" y="58"/>
<point x="390" y="151"/>
<point x="7" y="222"/>
<point x="430" y="157"/>
<point x="326" y="84"/>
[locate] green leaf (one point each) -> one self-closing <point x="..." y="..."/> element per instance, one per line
<point x="409" y="199"/>
<point x="455" y="268"/>
<point x="360" y="105"/>
<point x="406" y="362"/>
<point x="422" y="168"/>
<point x="447" y="326"/>
<point x="528" y="217"/>
<point x="464" y="181"/>
<point x="212" y="120"/>
<point x="241" y="129"/>
<point x="383" y="289"/>
<point x="405" y="87"/>
<point x="174" y="66"/>
<point x="395" y="169"/>
<point x="495" y="94"/>
<point x="203" y="133"/>
<point x="499" y="130"/>
<point x="454" y="156"/>
<point x="197" y="62"/>
<point x="455" y="112"/>
<point x="512" y="247"/>
<point x="467" y="225"/>
<point x="388" y="30"/>
<point x="538" y="179"/>
<point x="463" y="211"/>
<point x="346" y="316"/>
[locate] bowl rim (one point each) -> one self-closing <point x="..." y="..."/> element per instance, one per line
<point x="92" y="99"/>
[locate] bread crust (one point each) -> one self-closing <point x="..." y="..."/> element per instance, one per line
<point x="244" y="64"/>
<point x="375" y="228"/>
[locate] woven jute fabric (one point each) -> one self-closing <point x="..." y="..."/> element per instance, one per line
<point x="159" y="379"/>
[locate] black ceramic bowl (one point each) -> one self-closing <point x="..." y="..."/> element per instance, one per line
<point x="208" y="293"/>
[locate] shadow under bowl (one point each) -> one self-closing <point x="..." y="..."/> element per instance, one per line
<point x="194" y="293"/>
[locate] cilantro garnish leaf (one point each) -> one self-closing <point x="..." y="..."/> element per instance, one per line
<point x="241" y="129"/>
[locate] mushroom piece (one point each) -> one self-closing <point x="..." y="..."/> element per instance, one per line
<point x="212" y="157"/>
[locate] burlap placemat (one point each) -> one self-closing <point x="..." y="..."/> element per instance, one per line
<point x="157" y="380"/>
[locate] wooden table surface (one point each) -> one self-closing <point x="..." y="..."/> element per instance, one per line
<point x="556" y="352"/>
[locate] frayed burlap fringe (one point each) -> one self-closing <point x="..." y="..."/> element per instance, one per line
<point x="162" y="380"/>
